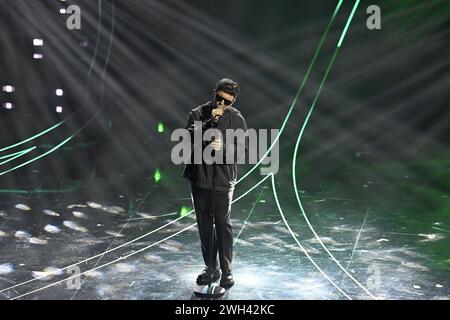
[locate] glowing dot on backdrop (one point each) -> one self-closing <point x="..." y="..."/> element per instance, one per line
<point x="157" y="175"/>
<point x="160" y="127"/>
<point x="38" y="42"/>
<point x="184" y="211"/>
<point x="8" y="88"/>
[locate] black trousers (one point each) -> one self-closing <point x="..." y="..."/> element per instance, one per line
<point x="223" y="235"/>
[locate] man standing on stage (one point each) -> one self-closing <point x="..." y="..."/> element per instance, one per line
<point x="219" y="113"/>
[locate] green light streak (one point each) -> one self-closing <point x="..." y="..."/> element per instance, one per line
<point x="54" y="148"/>
<point x="33" y="137"/>
<point x="38" y="157"/>
<point x="274" y="189"/>
<point x="294" y="102"/>
<point x="294" y="157"/>
<point x="348" y="23"/>
<point x="76" y="186"/>
<point x="294" y="179"/>
<point x="16" y="155"/>
<point x="157" y="175"/>
<point x="185" y="211"/>
<point x="160" y="127"/>
<point x="251" y="189"/>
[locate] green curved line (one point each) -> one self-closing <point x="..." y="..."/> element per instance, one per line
<point x="33" y="137"/>
<point x="294" y="179"/>
<point x="294" y="102"/>
<point x="297" y="146"/>
<point x="38" y="157"/>
<point x="16" y="154"/>
<point x="348" y="23"/>
<point x="274" y="190"/>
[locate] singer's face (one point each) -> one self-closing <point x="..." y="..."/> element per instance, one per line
<point x="224" y="98"/>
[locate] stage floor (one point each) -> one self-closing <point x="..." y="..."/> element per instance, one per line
<point x="389" y="245"/>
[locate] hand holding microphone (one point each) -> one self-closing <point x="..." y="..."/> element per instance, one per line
<point x="217" y="112"/>
<point x="217" y="144"/>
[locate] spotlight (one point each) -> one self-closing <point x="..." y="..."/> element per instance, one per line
<point x="59" y="109"/>
<point x="38" y="56"/>
<point x="8" y="105"/>
<point x="157" y="175"/>
<point x="38" y="42"/>
<point x="184" y="211"/>
<point x="59" y="92"/>
<point x="8" y="88"/>
<point x="62" y="11"/>
<point x="160" y="127"/>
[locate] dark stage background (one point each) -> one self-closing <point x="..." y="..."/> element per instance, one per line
<point x="379" y="131"/>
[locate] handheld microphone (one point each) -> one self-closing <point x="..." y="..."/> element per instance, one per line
<point x="216" y="120"/>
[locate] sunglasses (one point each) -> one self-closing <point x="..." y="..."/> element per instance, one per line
<point x="224" y="101"/>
